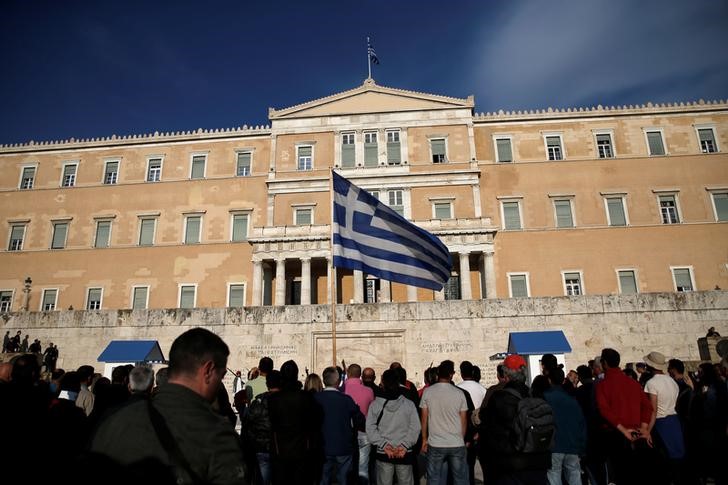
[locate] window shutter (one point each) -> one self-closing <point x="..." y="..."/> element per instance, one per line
<point x="504" y="150"/>
<point x="438" y="149"/>
<point x="244" y="161"/>
<point x="563" y="214"/>
<point x="146" y="237"/>
<point x="511" y="216"/>
<point x="616" y="212"/>
<point x="69" y="170"/>
<point x="627" y="282"/>
<point x="721" y="206"/>
<point x="49" y="299"/>
<point x="304" y="151"/>
<point x="394" y="153"/>
<point x="705" y="134"/>
<point x="240" y="227"/>
<point x="443" y="210"/>
<point x="94" y="299"/>
<point x="654" y="138"/>
<point x="348" y="155"/>
<point x="198" y="167"/>
<point x="16" y="234"/>
<point x="140" y="298"/>
<point x="237" y="293"/>
<point x="682" y="279"/>
<point x="187" y="297"/>
<point x="192" y="233"/>
<point x="59" y="235"/>
<point x="519" y="289"/>
<point x="102" y="234"/>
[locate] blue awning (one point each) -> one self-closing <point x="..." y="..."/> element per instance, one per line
<point x="531" y="343"/>
<point x="132" y="351"/>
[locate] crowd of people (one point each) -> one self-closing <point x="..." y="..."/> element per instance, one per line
<point x="19" y="344"/>
<point x="601" y="423"/>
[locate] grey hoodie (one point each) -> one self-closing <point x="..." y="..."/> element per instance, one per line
<point x="400" y="423"/>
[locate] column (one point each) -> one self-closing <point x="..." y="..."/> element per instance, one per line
<point x="280" y="282"/>
<point x="358" y="286"/>
<point x="257" y="283"/>
<point x="411" y="293"/>
<point x="440" y="295"/>
<point x="385" y="291"/>
<point x="329" y="274"/>
<point x="466" y="292"/>
<point x="305" y="281"/>
<point x="489" y="275"/>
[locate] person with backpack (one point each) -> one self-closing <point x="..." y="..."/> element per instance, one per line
<point x="516" y="431"/>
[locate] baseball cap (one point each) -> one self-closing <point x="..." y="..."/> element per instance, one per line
<point x="514" y="362"/>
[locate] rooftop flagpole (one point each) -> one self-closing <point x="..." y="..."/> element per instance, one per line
<point x="332" y="283"/>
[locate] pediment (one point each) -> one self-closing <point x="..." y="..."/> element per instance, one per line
<point x="371" y="98"/>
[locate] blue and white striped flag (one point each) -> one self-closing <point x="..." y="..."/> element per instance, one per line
<point x="372" y="55"/>
<point x="371" y="237"/>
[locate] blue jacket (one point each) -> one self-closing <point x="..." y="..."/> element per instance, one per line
<point x="570" y="425"/>
<point x="341" y="416"/>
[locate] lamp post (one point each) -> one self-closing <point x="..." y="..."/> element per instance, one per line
<point x="28" y="282"/>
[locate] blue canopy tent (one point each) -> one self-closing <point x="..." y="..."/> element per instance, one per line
<point x="532" y="345"/>
<point x="122" y="352"/>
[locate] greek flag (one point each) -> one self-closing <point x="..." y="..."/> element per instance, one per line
<point x="372" y="55"/>
<point x="371" y="237"/>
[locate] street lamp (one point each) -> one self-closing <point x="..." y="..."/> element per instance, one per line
<point x="28" y="282"/>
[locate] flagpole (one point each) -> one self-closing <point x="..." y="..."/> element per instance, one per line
<point x="332" y="283"/>
<point x="369" y="60"/>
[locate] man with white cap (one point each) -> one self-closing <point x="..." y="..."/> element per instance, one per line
<point x="663" y="391"/>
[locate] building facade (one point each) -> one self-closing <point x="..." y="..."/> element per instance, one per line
<point x="587" y="201"/>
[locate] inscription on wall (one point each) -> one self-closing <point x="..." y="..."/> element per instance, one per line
<point x="257" y="351"/>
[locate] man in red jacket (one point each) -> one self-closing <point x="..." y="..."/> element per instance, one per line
<point x="627" y="412"/>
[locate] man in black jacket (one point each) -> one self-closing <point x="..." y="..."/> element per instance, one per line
<point x="504" y="464"/>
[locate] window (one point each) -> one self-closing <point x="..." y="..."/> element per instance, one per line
<point x="239" y="227"/>
<point x="627" y="282"/>
<point x="305" y="157"/>
<point x="243" y="167"/>
<point x="111" y="172"/>
<point x="503" y="151"/>
<point x="236" y="295"/>
<point x="103" y="234"/>
<point x="438" y="148"/>
<point x="668" y="209"/>
<point x="616" y="215"/>
<point x="187" y="296"/>
<point x="69" y="175"/>
<point x="139" y="297"/>
<point x="27" y="178"/>
<point x="562" y="208"/>
<point x="452" y="288"/>
<point x="197" y="170"/>
<point x="93" y="299"/>
<point x="60" y="230"/>
<point x="147" y="228"/>
<point x="6" y="300"/>
<point x="303" y="216"/>
<point x="17" y="235"/>
<point x="683" y="279"/>
<point x="193" y="226"/>
<point x="553" y="147"/>
<point x="442" y="210"/>
<point x="394" y="150"/>
<point x="371" y="149"/>
<point x="707" y="140"/>
<point x="154" y="170"/>
<point x="518" y="285"/>
<point x="348" y="150"/>
<point x="396" y="201"/>
<point x="720" y="204"/>
<point x="572" y="283"/>
<point x="604" y="145"/>
<point x="48" y="303"/>
<point x="654" y="143"/>
<point x="511" y="214"/>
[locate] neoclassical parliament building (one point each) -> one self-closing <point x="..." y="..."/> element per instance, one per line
<point x="584" y="201"/>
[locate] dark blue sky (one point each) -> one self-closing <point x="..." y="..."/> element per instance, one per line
<point x="96" y="68"/>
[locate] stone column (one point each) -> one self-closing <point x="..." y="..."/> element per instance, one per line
<point x="440" y="295"/>
<point x="489" y="275"/>
<point x="358" y="286"/>
<point x="385" y="291"/>
<point x="280" y="282"/>
<point x="466" y="292"/>
<point x="257" y="283"/>
<point x="411" y="293"/>
<point x="329" y="274"/>
<point x="305" y="281"/>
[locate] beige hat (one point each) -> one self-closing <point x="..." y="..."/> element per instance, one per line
<point x="656" y="360"/>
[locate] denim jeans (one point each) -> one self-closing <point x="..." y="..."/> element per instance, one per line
<point x="341" y="464"/>
<point x="264" y="467"/>
<point x="456" y="461"/>
<point x="386" y="472"/>
<point x="365" y="449"/>
<point x="566" y="464"/>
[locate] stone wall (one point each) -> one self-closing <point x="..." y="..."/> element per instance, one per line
<point x="415" y="334"/>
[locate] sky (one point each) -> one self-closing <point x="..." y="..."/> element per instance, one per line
<point x="98" y="68"/>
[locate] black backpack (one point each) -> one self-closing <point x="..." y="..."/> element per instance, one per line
<point x="533" y="427"/>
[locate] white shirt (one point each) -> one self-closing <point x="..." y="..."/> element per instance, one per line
<point x="666" y="390"/>
<point x="477" y="392"/>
